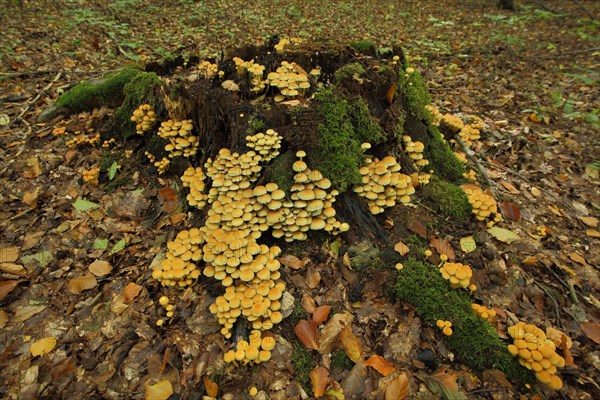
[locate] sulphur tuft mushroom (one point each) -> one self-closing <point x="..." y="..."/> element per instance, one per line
<point x="144" y="118"/>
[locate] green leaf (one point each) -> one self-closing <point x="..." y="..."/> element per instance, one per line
<point x="112" y="171"/>
<point x="503" y="235"/>
<point x="44" y="258"/>
<point x="467" y="244"/>
<point x="84" y="205"/>
<point x="100" y="244"/>
<point x="120" y="245"/>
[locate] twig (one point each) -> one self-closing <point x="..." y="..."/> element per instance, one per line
<point x="554" y="301"/>
<point x="4" y="75"/>
<point x="471" y="155"/>
<point x="36" y="98"/>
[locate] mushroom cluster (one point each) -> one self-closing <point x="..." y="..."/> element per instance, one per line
<point x="266" y="144"/>
<point x="283" y="42"/>
<point x="382" y="184"/>
<point x="452" y="123"/>
<point x="169" y="308"/>
<point x="257" y="83"/>
<point x="483" y="312"/>
<point x="445" y="326"/>
<point x="536" y="352"/>
<point x="144" y="118"/>
<point x="91" y="175"/>
<point x="414" y="151"/>
<point x="290" y="82"/>
<point x="178" y="268"/>
<point x="458" y="274"/>
<point x="179" y="135"/>
<point x="80" y="140"/>
<point x="483" y="205"/>
<point x="471" y="130"/>
<point x="161" y="165"/>
<point x="107" y="143"/>
<point x="193" y="178"/>
<point x="435" y="114"/>
<point x="255" y="350"/>
<point x="207" y="69"/>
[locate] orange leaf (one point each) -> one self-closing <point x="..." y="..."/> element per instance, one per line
<point x="131" y="291"/>
<point x="81" y="283"/>
<point x="169" y="199"/>
<point x="7" y="286"/>
<point x="401" y="248"/>
<point x="307" y="333"/>
<point x="320" y="314"/>
<point x="389" y="95"/>
<point x="417" y="227"/>
<point x="397" y="389"/>
<point x="380" y="365"/>
<point x="319" y="377"/>
<point x="591" y="330"/>
<point x="442" y="247"/>
<point x="511" y="211"/>
<point x="291" y="261"/>
<point x="212" y="389"/>
<point x="308" y="304"/>
<point x="351" y="345"/>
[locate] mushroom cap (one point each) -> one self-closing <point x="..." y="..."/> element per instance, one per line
<point x="300" y="153"/>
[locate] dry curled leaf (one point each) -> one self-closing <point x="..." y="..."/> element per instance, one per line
<point x="320" y="314"/>
<point x="380" y="365"/>
<point x="308" y="304"/>
<point x="444" y="384"/>
<point x="12" y="268"/>
<point x="319" y="378"/>
<point x="510" y="211"/>
<point x="577" y="258"/>
<point x="401" y="248"/>
<point x="7" y="286"/>
<point x="442" y="247"/>
<point x="291" y="261"/>
<point x="591" y="330"/>
<point x="42" y="346"/>
<point x="100" y="268"/>
<point x="308" y="333"/>
<point x="590" y="221"/>
<point x="9" y="254"/>
<point x="169" y="201"/>
<point x="81" y="283"/>
<point x="3" y="319"/>
<point x="330" y="334"/>
<point x="397" y="389"/>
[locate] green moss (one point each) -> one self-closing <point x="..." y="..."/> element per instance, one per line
<point x="446" y="198"/>
<point x="417" y="95"/>
<point x="339" y="155"/>
<point x="255" y="125"/>
<point x="280" y="171"/>
<point x="340" y="361"/>
<point x="366" y="128"/>
<point x="441" y="158"/>
<point x="348" y="71"/>
<point x="364" y="47"/>
<point x="88" y="95"/>
<point x="304" y="361"/>
<point x="416" y="244"/>
<point x="139" y="90"/>
<point x="474" y="341"/>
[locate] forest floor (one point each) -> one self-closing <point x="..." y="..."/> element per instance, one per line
<point x="531" y="75"/>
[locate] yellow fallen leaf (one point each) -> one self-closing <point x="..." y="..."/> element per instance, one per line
<point x="530" y="261"/>
<point x="3" y="319"/>
<point x="212" y="389"/>
<point x="81" y="283"/>
<point x="401" y="248"/>
<point x="592" y="233"/>
<point x="12" y="268"/>
<point x="100" y="268"/>
<point x="503" y="235"/>
<point x="535" y="191"/>
<point x="577" y="258"/>
<point x="467" y="244"/>
<point x="590" y="221"/>
<point x="555" y="210"/>
<point x="8" y="254"/>
<point x="159" y="391"/>
<point x="42" y="346"/>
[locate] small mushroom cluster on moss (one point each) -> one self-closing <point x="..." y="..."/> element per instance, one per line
<point x="383" y="185"/>
<point x="483" y="205"/>
<point x="179" y="266"/>
<point x="255" y="350"/>
<point x="484" y="312"/>
<point x="458" y="274"/>
<point x="536" y="352"/>
<point x="91" y="175"/>
<point x="257" y="83"/>
<point x="144" y="118"/>
<point x="290" y="80"/>
<point x="414" y="151"/>
<point x="161" y="165"/>
<point x="193" y="178"/>
<point x="445" y="326"/>
<point x="179" y="135"/>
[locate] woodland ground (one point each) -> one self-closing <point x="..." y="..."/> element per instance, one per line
<point x="532" y="75"/>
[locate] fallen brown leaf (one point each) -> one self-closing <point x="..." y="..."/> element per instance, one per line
<point x="100" y="268"/>
<point x="442" y="247"/>
<point x="330" y="334"/>
<point x="591" y="330"/>
<point x="510" y="211"/>
<point x="308" y="304"/>
<point x="319" y="378"/>
<point x="291" y="261"/>
<point x="397" y="389"/>
<point x="380" y="365"/>
<point x="11" y="268"/>
<point x="351" y="345"/>
<point x="7" y="286"/>
<point x="590" y="221"/>
<point x="9" y="254"/>
<point x="401" y="248"/>
<point x="577" y="258"/>
<point x="320" y="314"/>
<point x="81" y="283"/>
<point x="308" y="333"/>
<point x="212" y="389"/>
<point x="169" y="201"/>
<point x="131" y="291"/>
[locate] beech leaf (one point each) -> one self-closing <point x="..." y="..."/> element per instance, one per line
<point x="100" y="268"/>
<point x="380" y="365"/>
<point x="319" y="378"/>
<point x="42" y="346"/>
<point x="7" y="286"/>
<point x="467" y="244"/>
<point x="397" y="389"/>
<point x="9" y="254"/>
<point x="503" y="235"/>
<point x="351" y="345"/>
<point x="591" y="330"/>
<point x="84" y="205"/>
<point x="442" y="247"/>
<point x="131" y="291"/>
<point x="307" y="333"/>
<point x="444" y="384"/>
<point x="401" y="248"/>
<point x="511" y="211"/>
<point x="81" y="283"/>
<point x="320" y="314"/>
<point x="212" y="388"/>
<point x="159" y="391"/>
<point x="169" y="199"/>
<point x="291" y="261"/>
